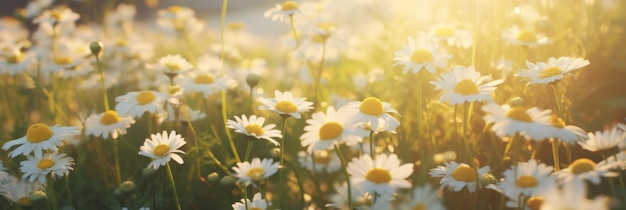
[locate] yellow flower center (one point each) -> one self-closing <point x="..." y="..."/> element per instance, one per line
<point x="62" y="60"/>
<point x="534" y="202"/>
<point x="15" y="58"/>
<point x="582" y="165"/>
<point x="444" y="31"/>
<point x="286" y="107"/>
<point x="422" y="56"/>
<point x="173" y="66"/>
<point x="326" y="26"/>
<point x="466" y="87"/>
<point x="318" y="38"/>
<point x="110" y="117"/>
<point x="256" y="174"/>
<point x="464" y="173"/>
<point x="206" y="79"/>
<point x="23" y="201"/>
<point x="45" y="164"/>
<point x="121" y="42"/>
<point x="372" y="106"/>
<point x="419" y="206"/>
<point x="235" y="26"/>
<point x="519" y="113"/>
<point x="175" y="9"/>
<point x="526" y="181"/>
<point x="330" y="130"/>
<point x="556" y="121"/>
<point x="161" y="150"/>
<point x="38" y="132"/>
<point x="255" y="129"/>
<point x="527" y="36"/>
<point x="289" y="5"/>
<point x="378" y="176"/>
<point x="321" y="157"/>
<point x="550" y="72"/>
<point x="145" y="97"/>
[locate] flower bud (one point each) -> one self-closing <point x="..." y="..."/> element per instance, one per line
<point x="95" y="47"/>
<point x="213" y="178"/>
<point x="253" y="79"/>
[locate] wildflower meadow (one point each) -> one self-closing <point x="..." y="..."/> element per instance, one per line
<point x="313" y="104"/>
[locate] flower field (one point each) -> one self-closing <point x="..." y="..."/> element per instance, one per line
<point x="351" y="104"/>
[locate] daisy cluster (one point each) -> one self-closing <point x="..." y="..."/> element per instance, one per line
<point x="352" y="104"/>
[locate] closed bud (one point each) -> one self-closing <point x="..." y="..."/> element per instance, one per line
<point x="253" y="79"/>
<point x="213" y="178"/>
<point x="227" y="181"/>
<point x="517" y="101"/>
<point x="95" y="47"/>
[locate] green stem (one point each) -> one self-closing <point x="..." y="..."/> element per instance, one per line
<point x="345" y="172"/>
<point x="466" y="117"/>
<point x="372" y="147"/>
<point x="118" y="176"/>
<point x="300" y="185"/>
<point x="67" y="190"/>
<point x="295" y="33"/>
<point x="318" y="78"/>
<point x="421" y="144"/>
<point x="248" y="149"/>
<point x="223" y="72"/>
<point x="245" y="196"/>
<point x="281" y="169"/>
<point x="171" y="177"/>
<point x="104" y="89"/>
<point x="555" y="142"/>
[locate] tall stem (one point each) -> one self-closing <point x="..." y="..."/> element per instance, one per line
<point x="118" y="176"/>
<point x="171" y="177"/>
<point x="223" y="72"/>
<point x="281" y="169"/>
<point x="372" y="147"/>
<point x="466" y="117"/>
<point x="555" y="142"/>
<point x="104" y="88"/>
<point x="248" y="149"/>
<point x="293" y="29"/>
<point x="345" y="172"/>
<point x="318" y="77"/>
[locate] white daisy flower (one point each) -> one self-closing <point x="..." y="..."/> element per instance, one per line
<point x="285" y="104"/>
<point x="463" y="85"/>
<point x="553" y="71"/>
<point x="16" y="63"/>
<point x="507" y="121"/>
<point x="565" y="133"/>
<point x="602" y="140"/>
<point x="57" y="15"/>
<point x="530" y="179"/>
<point x="100" y="125"/>
<point x="423" y="197"/>
<point x="206" y="83"/>
<point x="453" y="36"/>
<point x="382" y="176"/>
<point x="137" y="103"/>
<point x="420" y="55"/>
<point x="282" y="11"/>
<point x="585" y="169"/>
<point x="257" y="203"/>
<point x="526" y="38"/>
<point x="370" y="110"/>
<point x="40" y="137"/>
<point x="254" y="171"/>
<point x="458" y="176"/>
<point x="572" y="196"/>
<point x="320" y="161"/>
<point x="360" y="199"/>
<point x="253" y="127"/>
<point x="19" y="192"/>
<point x="323" y="131"/>
<point x="37" y="167"/>
<point x="176" y="12"/>
<point x="162" y="148"/>
<point x="172" y="65"/>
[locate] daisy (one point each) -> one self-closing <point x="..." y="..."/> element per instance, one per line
<point x="360" y="199"/>
<point x="282" y="11"/>
<point x="320" y="161"/>
<point x="526" y="38"/>
<point x="206" y="83"/>
<point x="572" y="196"/>
<point x="527" y="179"/>
<point x="323" y="131"/>
<point x="370" y="110"/>
<point x="16" y="62"/>
<point x="40" y="137"/>
<point x="453" y="36"/>
<point x="57" y="15"/>
<point x="37" y="167"/>
<point x="462" y="85"/>
<point x="19" y="192"/>
<point x="100" y="125"/>
<point x="382" y="176"/>
<point x="257" y="203"/>
<point x="565" y="133"/>
<point x="255" y="171"/>
<point x="173" y="65"/>
<point x="458" y="176"/>
<point x="507" y="121"/>
<point x="585" y="169"/>
<point x="420" y="55"/>
<point x="137" y="103"/>
<point x="285" y="104"/>
<point x="424" y="197"/>
<point x="383" y="126"/>
<point x="602" y="140"/>
<point x="162" y="147"/>
<point x="553" y="71"/>
<point x="253" y="127"/>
